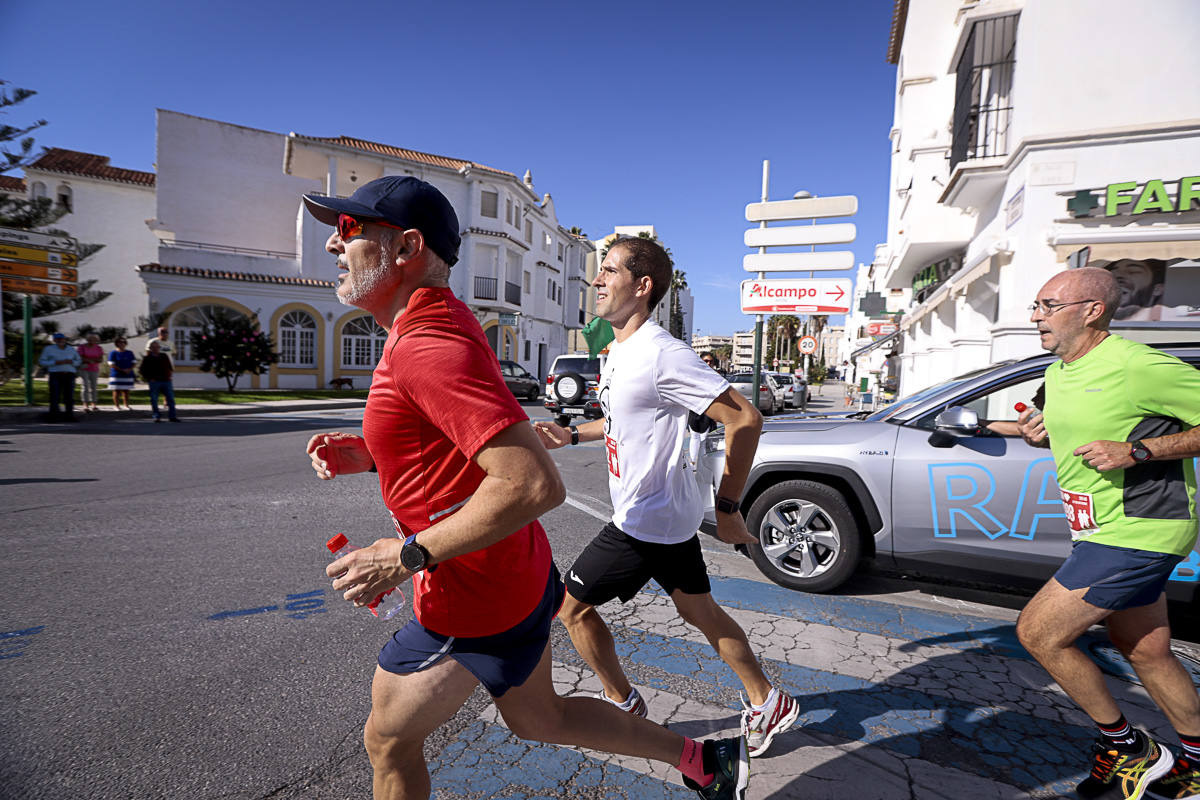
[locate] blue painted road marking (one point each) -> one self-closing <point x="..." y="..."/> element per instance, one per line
<point x="12" y="643"/>
<point x="301" y="606"/>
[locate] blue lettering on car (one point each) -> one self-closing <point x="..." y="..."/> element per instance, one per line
<point x="948" y="493"/>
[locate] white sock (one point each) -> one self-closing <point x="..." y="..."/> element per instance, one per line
<point x="770" y="701"/>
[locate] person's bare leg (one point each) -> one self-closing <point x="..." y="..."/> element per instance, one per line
<point x="534" y="711"/>
<point x="594" y="641"/>
<point x="1048" y="628"/>
<point x="405" y="709"/>
<point x="727" y="638"/>
<point x="1143" y="635"/>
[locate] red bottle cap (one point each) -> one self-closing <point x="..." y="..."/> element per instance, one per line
<point x="1020" y="407"/>
<point x="337" y="542"/>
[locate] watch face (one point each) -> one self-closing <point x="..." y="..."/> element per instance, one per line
<point x="412" y="557"/>
<point x="1140" y="453"/>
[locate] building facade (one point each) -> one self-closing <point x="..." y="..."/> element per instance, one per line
<point x="1012" y="161"/>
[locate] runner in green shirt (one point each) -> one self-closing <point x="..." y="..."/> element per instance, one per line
<point x="1122" y="422"/>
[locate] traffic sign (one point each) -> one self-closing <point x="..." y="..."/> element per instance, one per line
<point x="881" y="328"/>
<point x="797" y="296"/>
<point x="38" y="287"/>
<point x="776" y="362"/>
<point x="807" y="345"/>
<point x="794" y="262"/>
<point x="783" y="236"/>
<point x="24" y="238"/>
<point x="38" y="255"/>
<point x="807" y="208"/>
<point x="38" y="271"/>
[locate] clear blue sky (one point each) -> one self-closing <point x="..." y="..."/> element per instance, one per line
<point x="626" y="112"/>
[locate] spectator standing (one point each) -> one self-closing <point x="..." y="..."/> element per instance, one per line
<point x="156" y="369"/>
<point x="1123" y="423"/>
<point x="91" y="355"/>
<point x="164" y="343"/>
<point x="61" y="361"/>
<point x="120" y="373"/>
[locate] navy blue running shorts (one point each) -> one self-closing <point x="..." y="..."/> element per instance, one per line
<point x="1116" y="577"/>
<point x="615" y="564"/>
<point x="500" y="661"/>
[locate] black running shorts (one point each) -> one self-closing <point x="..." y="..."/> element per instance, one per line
<point x="618" y="565"/>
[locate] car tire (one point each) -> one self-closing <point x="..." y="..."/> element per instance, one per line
<point x="807" y="537"/>
<point x="532" y="394"/>
<point x="570" y="388"/>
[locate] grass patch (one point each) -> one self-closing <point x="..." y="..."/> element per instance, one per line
<point x="13" y="394"/>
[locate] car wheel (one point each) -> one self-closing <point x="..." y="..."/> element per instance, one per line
<point x="807" y="538"/>
<point x="532" y="394"/>
<point x="570" y="388"/>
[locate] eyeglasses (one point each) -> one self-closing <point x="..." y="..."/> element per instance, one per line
<point x="348" y="227"/>
<point x="1048" y="307"/>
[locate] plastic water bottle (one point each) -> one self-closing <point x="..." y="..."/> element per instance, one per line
<point x="386" y="605"/>
<point x="1021" y="408"/>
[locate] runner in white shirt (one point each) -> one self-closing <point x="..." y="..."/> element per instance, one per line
<point x="649" y="384"/>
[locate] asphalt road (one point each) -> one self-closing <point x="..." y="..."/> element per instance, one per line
<point x="166" y="630"/>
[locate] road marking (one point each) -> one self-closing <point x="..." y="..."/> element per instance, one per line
<point x="602" y="516"/>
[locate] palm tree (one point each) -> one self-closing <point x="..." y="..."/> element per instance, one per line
<point x="678" y="282"/>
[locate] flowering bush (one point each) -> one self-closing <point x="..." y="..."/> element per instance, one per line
<point x="232" y="345"/>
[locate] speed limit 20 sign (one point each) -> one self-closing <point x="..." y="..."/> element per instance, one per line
<point x="807" y="345"/>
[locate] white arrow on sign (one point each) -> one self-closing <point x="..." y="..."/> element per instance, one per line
<point x="17" y="236"/>
<point x="795" y="262"/>
<point x="839" y="233"/>
<point x="807" y="208"/>
<point x="797" y="296"/>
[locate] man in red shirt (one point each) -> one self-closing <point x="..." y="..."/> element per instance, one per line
<point x="465" y="478"/>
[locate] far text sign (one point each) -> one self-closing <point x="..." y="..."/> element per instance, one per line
<point x="797" y="296"/>
<point x="38" y="287"/>
<point x="38" y="271"/>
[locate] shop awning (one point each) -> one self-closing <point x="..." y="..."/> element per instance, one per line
<point x="891" y="337"/>
<point x="1181" y="241"/>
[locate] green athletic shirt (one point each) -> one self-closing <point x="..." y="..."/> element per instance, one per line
<point x="1123" y="391"/>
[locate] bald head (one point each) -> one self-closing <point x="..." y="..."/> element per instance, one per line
<point x="1087" y="283"/>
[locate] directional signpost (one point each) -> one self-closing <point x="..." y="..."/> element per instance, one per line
<point x="36" y="263"/>
<point x="806" y="296"/>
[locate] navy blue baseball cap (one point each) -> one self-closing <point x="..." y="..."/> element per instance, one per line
<point x="400" y="200"/>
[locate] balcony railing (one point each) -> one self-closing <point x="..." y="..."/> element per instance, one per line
<point x="485" y="288"/>
<point x="983" y="99"/>
<point x="512" y="293"/>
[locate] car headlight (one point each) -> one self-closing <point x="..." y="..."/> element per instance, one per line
<point x="714" y="444"/>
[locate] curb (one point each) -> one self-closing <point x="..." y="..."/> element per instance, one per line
<point x="35" y="413"/>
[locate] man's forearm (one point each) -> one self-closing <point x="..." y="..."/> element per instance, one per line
<point x="1175" y="446"/>
<point x="741" y="442"/>
<point x="591" y="431"/>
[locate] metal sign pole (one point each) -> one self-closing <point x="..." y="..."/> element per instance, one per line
<point x="28" y="308"/>
<point x="758" y="319"/>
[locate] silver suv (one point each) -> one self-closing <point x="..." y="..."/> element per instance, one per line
<point x="919" y="484"/>
<point x="572" y="386"/>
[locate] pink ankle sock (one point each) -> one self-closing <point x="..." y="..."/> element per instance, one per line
<point x="691" y="763"/>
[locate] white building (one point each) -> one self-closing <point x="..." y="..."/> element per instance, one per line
<point x="1021" y="136"/>
<point x="229" y="233"/>
<point x="107" y="206"/>
<point x="743" y="351"/>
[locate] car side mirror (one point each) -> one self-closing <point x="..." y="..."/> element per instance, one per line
<point x="957" y="421"/>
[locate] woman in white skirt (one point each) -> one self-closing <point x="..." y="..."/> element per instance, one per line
<point x="120" y="373"/>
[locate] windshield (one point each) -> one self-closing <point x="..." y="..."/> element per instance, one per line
<point x="585" y="365"/>
<point x="782" y="380"/>
<point x="911" y="401"/>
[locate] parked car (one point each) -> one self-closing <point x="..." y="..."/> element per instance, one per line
<point x="918" y="484"/>
<point x="793" y="388"/>
<point x="519" y="381"/>
<point x="770" y="397"/>
<point x="572" y="387"/>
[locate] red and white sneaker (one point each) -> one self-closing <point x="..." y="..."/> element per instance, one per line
<point x="634" y="704"/>
<point x="760" y="727"/>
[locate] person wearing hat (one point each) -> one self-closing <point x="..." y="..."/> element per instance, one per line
<point x="61" y="361"/>
<point x="465" y="480"/>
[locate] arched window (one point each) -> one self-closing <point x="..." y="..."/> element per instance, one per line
<point x="297" y="340"/>
<point x="362" y="342"/>
<point x="64" y="197"/>
<point x="193" y="320"/>
<point x="38" y="190"/>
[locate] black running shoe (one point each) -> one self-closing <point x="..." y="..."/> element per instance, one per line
<point x="729" y="762"/>
<point x="1124" y="775"/>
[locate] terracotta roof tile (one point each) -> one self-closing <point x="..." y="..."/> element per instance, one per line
<point x="226" y="275"/>
<point x="73" y="162"/>
<point x="8" y="183"/>
<point x="400" y="152"/>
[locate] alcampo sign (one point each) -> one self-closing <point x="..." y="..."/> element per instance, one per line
<point x="1130" y="198"/>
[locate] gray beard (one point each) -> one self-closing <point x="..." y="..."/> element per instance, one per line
<point x="364" y="283"/>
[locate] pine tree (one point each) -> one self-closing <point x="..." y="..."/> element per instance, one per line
<point x="232" y="345"/>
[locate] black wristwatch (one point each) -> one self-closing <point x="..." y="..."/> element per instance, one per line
<point x="574" y="434"/>
<point x="1140" y="453"/>
<point x="727" y="506"/>
<point x="413" y="557"/>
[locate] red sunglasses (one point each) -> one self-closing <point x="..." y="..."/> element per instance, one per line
<point x="348" y="227"/>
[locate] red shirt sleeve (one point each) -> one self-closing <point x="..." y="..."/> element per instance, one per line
<point x="455" y="382"/>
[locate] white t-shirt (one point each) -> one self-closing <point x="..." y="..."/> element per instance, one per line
<point x="649" y="384"/>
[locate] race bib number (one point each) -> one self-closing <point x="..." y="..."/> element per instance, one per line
<point x="614" y="459"/>
<point x="1081" y="514"/>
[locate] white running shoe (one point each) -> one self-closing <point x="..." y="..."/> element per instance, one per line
<point x="760" y="727"/>
<point x="634" y="704"/>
